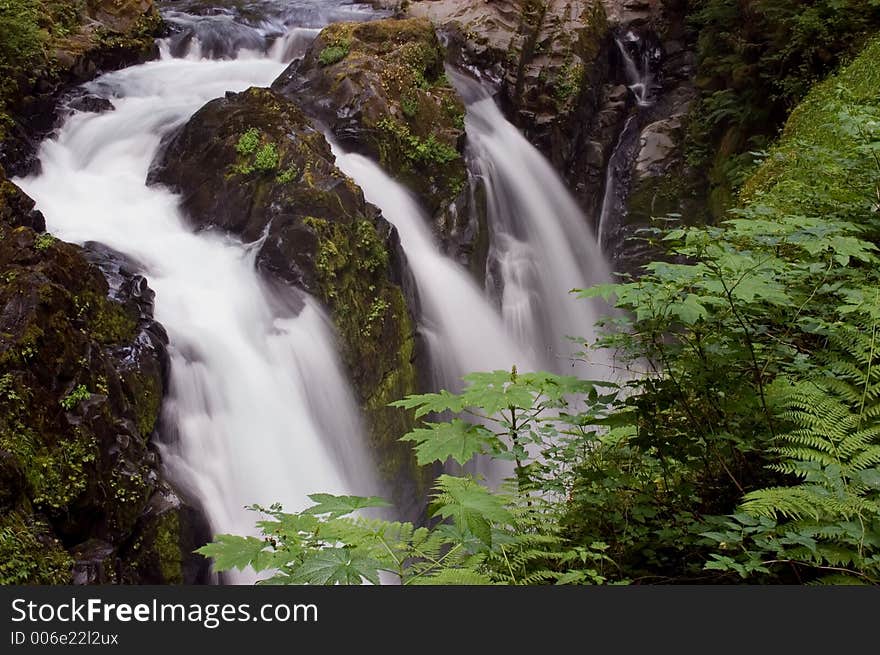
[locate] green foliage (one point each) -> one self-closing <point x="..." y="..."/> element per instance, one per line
<point x="75" y="397"/>
<point x="267" y="158"/>
<point x="742" y="443"/>
<point x="249" y="142"/>
<point x="334" y="53"/>
<point x="416" y="149"/>
<point x="29" y="555"/>
<point x="258" y="155"/>
<point x="481" y="536"/>
<point x="756" y="60"/>
<point x="44" y="241"/>
<point x="287" y="176"/>
<point x="829" y="521"/>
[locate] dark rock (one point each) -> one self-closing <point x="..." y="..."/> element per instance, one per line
<point x="16" y="208"/>
<point x="82" y="372"/>
<point x="387" y="97"/>
<point x="94" y="563"/>
<point x="90" y="104"/>
<point x="112" y="34"/>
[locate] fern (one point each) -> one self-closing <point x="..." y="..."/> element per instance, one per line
<point x="828" y="522"/>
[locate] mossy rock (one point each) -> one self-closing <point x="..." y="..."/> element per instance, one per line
<point x="252" y="164"/>
<point x="381" y="88"/>
<point x="48" y="47"/>
<point x="75" y="457"/>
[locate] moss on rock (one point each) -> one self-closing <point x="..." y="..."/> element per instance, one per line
<point x="389" y="98"/>
<point x="75" y="463"/>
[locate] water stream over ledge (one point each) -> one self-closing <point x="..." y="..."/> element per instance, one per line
<point x="259" y="409"/>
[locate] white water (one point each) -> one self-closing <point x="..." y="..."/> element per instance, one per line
<point x="260" y="403"/>
<point x="463" y="331"/>
<point x="541" y="244"/>
<point x="640" y="81"/>
<point x="639" y="75"/>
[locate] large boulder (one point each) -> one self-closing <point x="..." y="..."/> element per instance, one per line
<point x="253" y="165"/>
<point x="381" y="89"/>
<point x="82" y="376"/>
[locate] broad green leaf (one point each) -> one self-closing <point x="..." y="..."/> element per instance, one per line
<point x="456" y="439"/>
<point x="428" y="403"/>
<point x="233" y="552"/>
<point x="470" y="505"/>
<point x="332" y="566"/>
<point x="336" y="506"/>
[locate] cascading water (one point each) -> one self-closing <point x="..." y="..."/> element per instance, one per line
<point x="640" y="60"/>
<point x="541" y="244"/>
<point x="258" y="409"/>
<point x="463" y="331"/>
<point x="258" y="404"/>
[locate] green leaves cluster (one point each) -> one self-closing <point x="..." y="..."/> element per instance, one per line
<point x="742" y="443"/>
<point x="480" y="536"/>
<point x="259" y="155"/>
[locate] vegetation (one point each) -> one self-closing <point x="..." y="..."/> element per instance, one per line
<point x="333" y="54"/>
<point x="742" y="442"/>
<point x="257" y="154"/>
<point x="756" y="61"/>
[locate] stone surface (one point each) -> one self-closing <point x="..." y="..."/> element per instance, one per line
<point x="106" y="35"/>
<point x="384" y="94"/>
<point x="82" y="376"/>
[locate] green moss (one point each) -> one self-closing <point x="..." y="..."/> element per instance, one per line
<point x="166" y="545"/>
<point x="111" y="323"/>
<point x="569" y="82"/>
<point x="807" y="170"/>
<point x="29" y="554"/>
<point x="147" y="402"/>
<point x="266" y="158"/>
<point x="43" y="242"/>
<point x="376" y="330"/>
<point x="409" y="103"/>
<point x="75" y="397"/>
<point x="257" y="153"/>
<point x="288" y="175"/>
<point x="333" y="54"/>
<point x="62" y="471"/>
<point x="416" y="149"/>
<point x="249" y="142"/>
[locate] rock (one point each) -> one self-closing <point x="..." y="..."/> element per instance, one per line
<point x="253" y="165"/>
<point x="90" y="104"/>
<point x="82" y="376"/>
<point x="94" y="563"/>
<point x="16" y="208"/>
<point x="546" y="59"/>
<point x="107" y="35"/>
<point x="381" y="89"/>
<point x="658" y="141"/>
<point x="161" y="551"/>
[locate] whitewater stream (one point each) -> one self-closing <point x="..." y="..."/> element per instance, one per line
<point x="260" y="409"/>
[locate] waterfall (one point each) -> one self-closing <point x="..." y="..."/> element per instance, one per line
<point x="463" y="331"/>
<point x="638" y="63"/>
<point x="259" y="407"/>
<point x="640" y="59"/>
<point x="541" y="244"/>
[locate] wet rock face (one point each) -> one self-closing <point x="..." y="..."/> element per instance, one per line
<point x="253" y="165"/>
<point x="107" y="35"/>
<point x="82" y="374"/>
<point x="545" y="59"/>
<point x="381" y="89"/>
